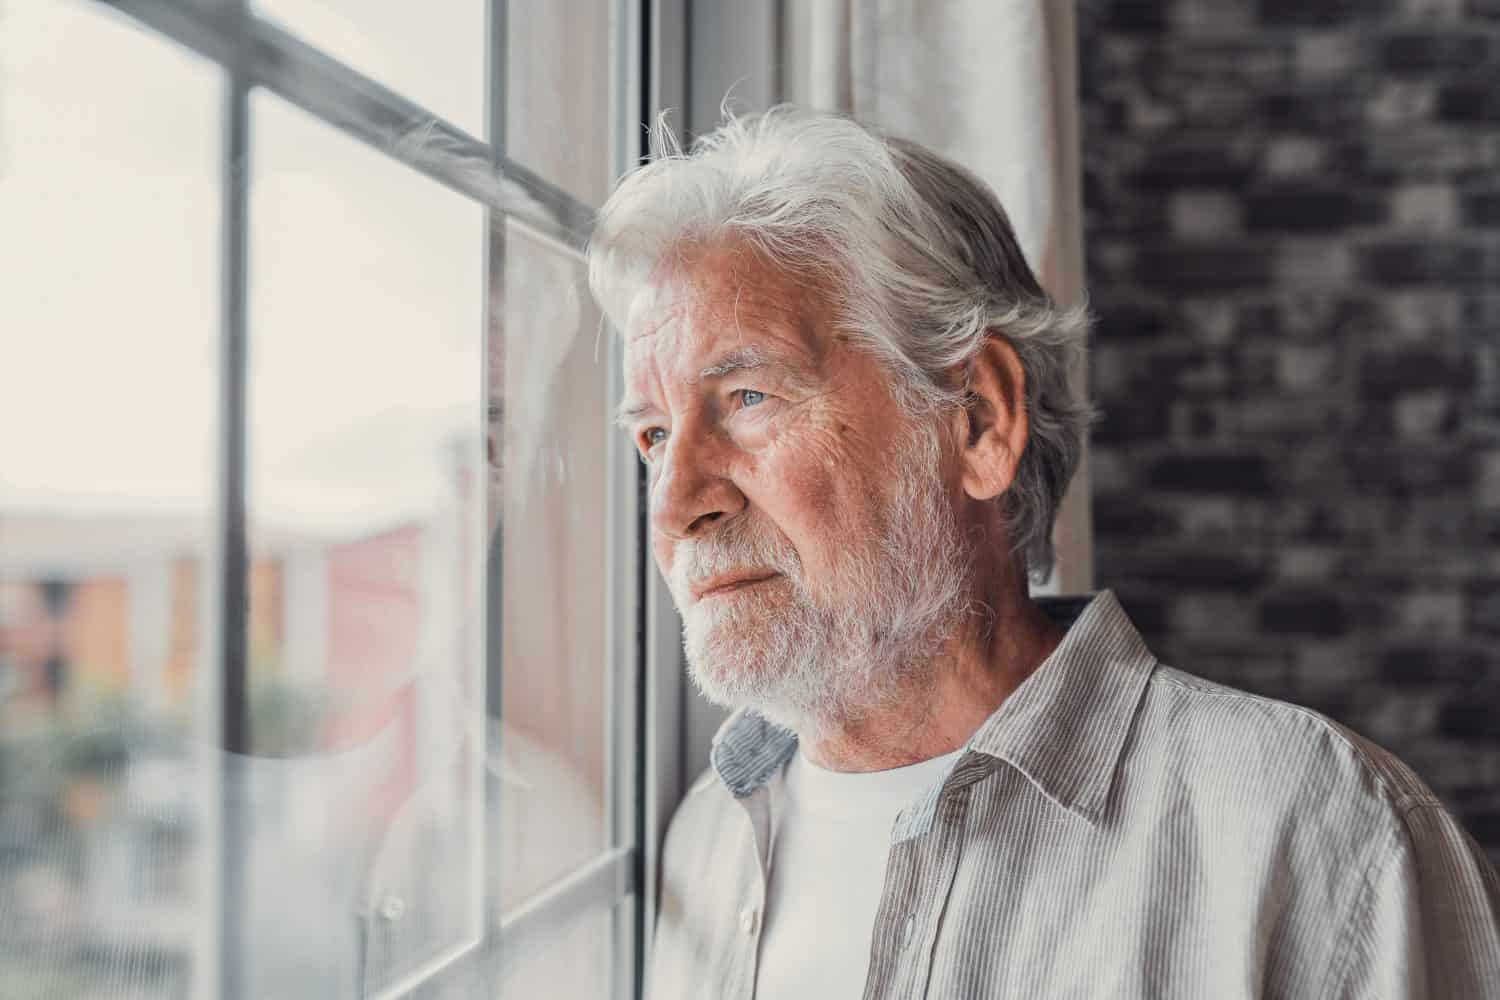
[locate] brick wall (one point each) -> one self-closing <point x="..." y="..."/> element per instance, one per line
<point x="1293" y="233"/>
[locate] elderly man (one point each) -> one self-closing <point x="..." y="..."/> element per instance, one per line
<point x="851" y="396"/>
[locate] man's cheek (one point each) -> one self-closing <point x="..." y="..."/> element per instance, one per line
<point x="661" y="551"/>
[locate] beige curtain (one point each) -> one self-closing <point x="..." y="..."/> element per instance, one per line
<point x="992" y="85"/>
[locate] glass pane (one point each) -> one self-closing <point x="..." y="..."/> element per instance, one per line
<point x="366" y="506"/>
<point x="109" y="286"/>
<point x="554" y="651"/>
<point x="571" y="960"/>
<point x="433" y="54"/>
<point x="557" y="94"/>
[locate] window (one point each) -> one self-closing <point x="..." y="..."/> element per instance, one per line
<point x="321" y="572"/>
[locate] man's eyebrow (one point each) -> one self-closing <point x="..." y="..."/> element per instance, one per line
<point x="791" y="373"/>
<point x="743" y="359"/>
<point x="629" y="412"/>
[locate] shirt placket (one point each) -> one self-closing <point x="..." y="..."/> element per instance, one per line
<point x="918" y="883"/>
<point x="750" y="916"/>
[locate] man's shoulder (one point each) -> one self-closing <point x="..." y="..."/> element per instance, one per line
<point x="1277" y="752"/>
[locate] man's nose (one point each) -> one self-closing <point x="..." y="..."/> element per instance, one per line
<point x="692" y="489"/>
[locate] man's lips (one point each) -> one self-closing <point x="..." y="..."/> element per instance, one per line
<point x="728" y="583"/>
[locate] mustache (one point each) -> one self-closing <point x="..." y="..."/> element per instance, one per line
<point x="736" y="546"/>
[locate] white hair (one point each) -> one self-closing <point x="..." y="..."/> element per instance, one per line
<point x="919" y="254"/>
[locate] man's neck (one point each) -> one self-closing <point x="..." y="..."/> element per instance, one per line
<point x="971" y="674"/>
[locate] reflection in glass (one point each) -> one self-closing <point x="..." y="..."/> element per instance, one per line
<point x="366" y="496"/>
<point x="556" y="675"/>
<point x="431" y="53"/>
<point x="108" y="330"/>
<point x="557" y="109"/>
<point x="569" y="959"/>
<point x="367" y="540"/>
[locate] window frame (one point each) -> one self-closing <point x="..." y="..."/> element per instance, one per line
<point x="666" y="689"/>
<point x="648" y="59"/>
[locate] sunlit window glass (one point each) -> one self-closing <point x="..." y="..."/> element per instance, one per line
<point x="109" y="329"/>
<point x="432" y="793"/>
<point x="556" y="108"/>
<point x="430" y="53"/>
<point x="554" y="790"/>
<point x="366" y="502"/>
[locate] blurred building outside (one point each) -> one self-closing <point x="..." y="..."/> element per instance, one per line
<point x="100" y="647"/>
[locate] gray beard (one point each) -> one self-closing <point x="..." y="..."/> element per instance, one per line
<point x="812" y="667"/>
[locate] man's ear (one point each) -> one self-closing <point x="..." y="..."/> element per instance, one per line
<point x="994" y="420"/>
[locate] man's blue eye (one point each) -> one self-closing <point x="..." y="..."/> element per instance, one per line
<point x="655" y="435"/>
<point x="752" y="397"/>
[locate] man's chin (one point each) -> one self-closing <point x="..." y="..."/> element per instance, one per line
<point x="729" y="630"/>
<point x="733" y="667"/>
<point x="721" y="658"/>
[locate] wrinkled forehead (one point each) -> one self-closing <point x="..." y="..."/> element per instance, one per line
<point x="703" y="299"/>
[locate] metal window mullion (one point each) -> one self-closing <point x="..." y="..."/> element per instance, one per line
<point x="498" y="66"/>
<point x="393" y="125"/>
<point x="234" y="710"/>
<point x="389" y="123"/>
<point x="626" y="692"/>
<point x="604" y="881"/>
<point x="666" y="87"/>
<point x="494" y="340"/>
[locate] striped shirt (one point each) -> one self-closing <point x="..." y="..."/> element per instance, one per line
<point x="1117" y="828"/>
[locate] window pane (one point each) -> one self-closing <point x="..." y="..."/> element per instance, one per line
<point x="109" y="283"/>
<point x="430" y="53"/>
<point x="555" y="673"/>
<point x="557" y="94"/>
<point x="366" y="497"/>
<point x="569" y="960"/>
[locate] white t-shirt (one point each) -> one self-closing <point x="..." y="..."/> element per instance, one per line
<point x="830" y="842"/>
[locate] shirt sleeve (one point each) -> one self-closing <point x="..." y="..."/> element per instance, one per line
<point x="1427" y="921"/>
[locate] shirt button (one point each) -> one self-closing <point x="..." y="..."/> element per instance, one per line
<point x="749" y="920"/>
<point x="392" y="908"/>
<point x="908" y="931"/>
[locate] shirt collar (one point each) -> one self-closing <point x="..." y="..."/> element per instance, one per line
<point x="748" y="749"/>
<point x="1064" y="728"/>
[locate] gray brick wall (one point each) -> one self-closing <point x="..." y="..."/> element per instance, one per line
<point x="1292" y="216"/>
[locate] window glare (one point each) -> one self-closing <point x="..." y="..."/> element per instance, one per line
<point x="109" y="329"/>
<point x="433" y="53"/>
<point x="557" y="110"/>
<point x="366" y="330"/>
<point x="365" y="493"/>
<point x="555" y="675"/>
<point x="109" y="270"/>
<point x="380" y="770"/>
